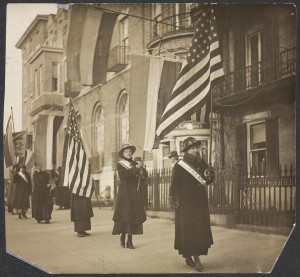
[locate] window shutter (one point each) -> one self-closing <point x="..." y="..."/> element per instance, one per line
<point x="241" y="147"/>
<point x="272" y="145"/>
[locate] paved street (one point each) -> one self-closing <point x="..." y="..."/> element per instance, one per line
<point x="56" y="248"/>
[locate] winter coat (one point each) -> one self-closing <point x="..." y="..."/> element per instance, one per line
<point x="42" y="201"/>
<point x="192" y="222"/>
<point x="129" y="205"/>
<point x="81" y="208"/>
<point x="23" y="189"/>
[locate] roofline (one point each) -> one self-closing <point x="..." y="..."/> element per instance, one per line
<point x="30" y="27"/>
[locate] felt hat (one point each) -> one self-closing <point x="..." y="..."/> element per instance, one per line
<point x="138" y="159"/>
<point x="190" y="142"/>
<point x="126" y="146"/>
<point x="173" y="154"/>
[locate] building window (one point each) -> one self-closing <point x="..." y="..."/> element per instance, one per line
<point x="36" y="84"/>
<point x="41" y="78"/>
<point x="257" y="148"/>
<point x="124" y="119"/>
<point x="55" y="74"/>
<point x="253" y="58"/>
<point x="257" y="145"/>
<point x="99" y="130"/>
<point x="124" y="32"/>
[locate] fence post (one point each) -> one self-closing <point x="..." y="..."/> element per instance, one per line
<point x="237" y="185"/>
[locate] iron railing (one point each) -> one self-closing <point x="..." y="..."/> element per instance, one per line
<point x="256" y="75"/>
<point x="118" y="58"/>
<point x="178" y="22"/>
<point x="267" y="200"/>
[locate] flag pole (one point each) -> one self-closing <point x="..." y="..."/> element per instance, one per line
<point x="13" y="131"/>
<point x="210" y="126"/>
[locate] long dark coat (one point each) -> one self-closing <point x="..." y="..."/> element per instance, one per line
<point x="23" y="189"/>
<point x="192" y="223"/>
<point x="81" y="208"/>
<point x="62" y="194"/>
<point x="129" y="206"/>
<point x="42" y="201"/>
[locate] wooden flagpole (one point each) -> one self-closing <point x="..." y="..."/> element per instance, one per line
<point x="13" y="132"/>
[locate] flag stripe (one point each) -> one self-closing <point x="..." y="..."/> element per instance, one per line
<point x="181" y="113"/>
<point x="201" y="67"/>
<point x="189" y="89"/>
<point x="77" y="184"/>
<point x="187" y="72"/>
<point x="203" y="84"/>
<point x="77" y="171"/>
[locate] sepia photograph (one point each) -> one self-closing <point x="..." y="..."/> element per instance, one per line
<point x="149" y="138"/>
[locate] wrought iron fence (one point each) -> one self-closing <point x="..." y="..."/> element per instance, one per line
<point x="267" y="200"/>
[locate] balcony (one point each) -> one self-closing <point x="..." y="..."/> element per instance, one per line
<point x="118" y="58"/>
<point x="172" y="27"/>
<point x="241" y="83"/>
<point x="47" y="101"/>
<point x="173" y="24"/>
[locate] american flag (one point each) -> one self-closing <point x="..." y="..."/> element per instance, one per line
<point x="77" y="174"/>
<point x="202" y="66"/>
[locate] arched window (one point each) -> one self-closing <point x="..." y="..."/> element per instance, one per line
<point x="98" y="130"/>
<point x="124" y="119"/>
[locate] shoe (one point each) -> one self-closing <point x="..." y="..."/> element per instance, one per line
<point x="81" y="234"/>
<point x="129" y="245"/>
<point x="47" y="221"/>
<point x="189" y="261"/>
<point x="20" y="216"/>
<point x="87" y="234"/>
<point x="24" y="216"/>
<point x="38" y="221"/>
<point x="122" y="240"/>
<point x="199" y="267"/>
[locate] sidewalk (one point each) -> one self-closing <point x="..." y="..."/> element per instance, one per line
<point x="56" y="248"/>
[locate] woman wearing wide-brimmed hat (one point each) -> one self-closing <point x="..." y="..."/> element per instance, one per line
<point x="188" y="197"/>
<point x="129" y="214"/>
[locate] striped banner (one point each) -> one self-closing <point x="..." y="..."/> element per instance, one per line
<point x="202" y="66"/>
<point x="76" y="168"/>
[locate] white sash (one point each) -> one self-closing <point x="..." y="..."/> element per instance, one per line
<point x="125" y="164"/>
<point x="192" y="171"/>
<point x="23" y="176"/>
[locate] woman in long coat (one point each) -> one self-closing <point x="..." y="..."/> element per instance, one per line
<point x="129" y="214"/>
<point x="42" y="201"/>
<point x="188" y="197"/>
<point x="12" y="188"/>
<point x="23" y="190"/>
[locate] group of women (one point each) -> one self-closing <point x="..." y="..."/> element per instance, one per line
<point x="188" y="197"/>
<point x="40" y="188"/>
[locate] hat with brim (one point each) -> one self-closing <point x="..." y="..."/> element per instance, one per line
<point x="124" y="147"/>
<point x="190" y="142"/>
<point x="173" y="154"/>
<point x="138" y="159"/>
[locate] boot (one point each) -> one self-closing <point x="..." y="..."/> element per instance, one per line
<point x="20" y="216"/>
<point x="189" y="261"/>
<point x="122" y="240"/>
<point x="198" y="265"/>
<point x="129" y="242"/>
<point x="24" y="215"/>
